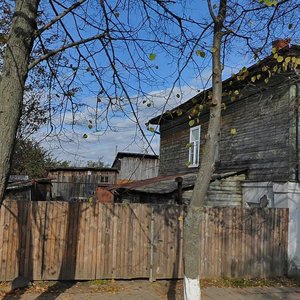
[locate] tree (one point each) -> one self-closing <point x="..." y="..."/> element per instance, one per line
<point x="193" y="218"/>
<point x="118" y="50"/>
<point x="33" y="160"/>
<point x="221" y="31"/>
<point x="97" y="164"/>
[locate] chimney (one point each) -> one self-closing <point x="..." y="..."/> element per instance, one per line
<point x="281" y="43"/>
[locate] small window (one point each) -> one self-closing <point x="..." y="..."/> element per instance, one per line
<point x="104" y="179"/>
<point x="194" y="146"/>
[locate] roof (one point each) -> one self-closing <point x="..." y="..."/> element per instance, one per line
<point x="121" y="155"/>
<point x="22" y="184"/>
<point x="293" y="50"/>
<point x="167" y="184"/>
<point x="83" y="169"/>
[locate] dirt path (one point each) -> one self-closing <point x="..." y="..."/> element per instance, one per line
<point x="98" y="289"/>
<point x="144" y="290"/>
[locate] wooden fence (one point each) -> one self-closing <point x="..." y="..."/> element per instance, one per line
<point x="60" y="240"/>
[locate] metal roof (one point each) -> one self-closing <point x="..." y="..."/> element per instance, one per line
<point x="167" y="184"/>
<point x="82" y="169"/>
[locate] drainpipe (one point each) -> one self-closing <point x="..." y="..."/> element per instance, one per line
<point x="179" y="187"/>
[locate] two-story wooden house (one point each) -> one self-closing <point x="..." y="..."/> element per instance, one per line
<point x="259" y="139"/>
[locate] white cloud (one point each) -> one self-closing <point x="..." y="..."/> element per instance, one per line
<point x="120" y="134"/>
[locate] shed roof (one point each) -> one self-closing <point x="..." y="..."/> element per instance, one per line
<point x="167" y="184"/>
<point x="293" y="50"/>
<point x="121" y="155"/>
<point x="21" y="184"/>
<point x="83" y="169"/>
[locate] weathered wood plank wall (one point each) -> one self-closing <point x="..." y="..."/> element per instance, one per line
<point x="79" y="183"/>
<point x="264" y="119"/>
<point x="59" y="240"/>
<point x="137" y="168"/>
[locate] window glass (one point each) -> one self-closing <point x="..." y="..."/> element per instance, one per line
<point x="194" y="149"/>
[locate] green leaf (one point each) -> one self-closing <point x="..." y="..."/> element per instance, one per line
<point x="288" y="59"/>
<point x="179" y="112"/>
<point x="290" y="26"/>
<point x="280" y="59"/>
<point x="152" y="56"/>
<point x="117" y="15"/>
<point x="85" y="136"/>
<point x="233" y="131"/>
<point x="200" y="53"/>
<point x="151" y="129"/>
<point x="188" y="163"/>
<point x="191" y="123"/>
<point x="177" y="95"/>
<point x="269" y="3"/>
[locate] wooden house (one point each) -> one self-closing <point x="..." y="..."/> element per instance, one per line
<point x="135" y="166"/>
<point x="80" y="183"/>
<point x="259" y="131"/>
<point x="260" y="137"/>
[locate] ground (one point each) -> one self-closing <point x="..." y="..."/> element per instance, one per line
<point x="160" y="290"/>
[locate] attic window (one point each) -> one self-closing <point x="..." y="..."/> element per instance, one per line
<point x="194" y="146"/>
<point x="104" y="179"/>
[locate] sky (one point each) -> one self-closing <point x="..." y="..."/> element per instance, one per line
<point x="154" y="78"/>
<point x="123" y="134"/>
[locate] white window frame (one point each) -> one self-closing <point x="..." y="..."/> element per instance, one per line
<point x="194" y="161"/>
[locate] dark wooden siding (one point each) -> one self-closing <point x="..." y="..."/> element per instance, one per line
<point x="264" y="141"/>
<point x="173" y="151"/>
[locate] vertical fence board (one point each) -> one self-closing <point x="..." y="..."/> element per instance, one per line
<point x="60" y="240"/>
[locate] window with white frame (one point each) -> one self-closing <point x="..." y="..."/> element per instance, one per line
<point x="194" y="148"/>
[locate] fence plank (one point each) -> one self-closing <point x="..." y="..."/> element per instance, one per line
<point x="60" y="240"/>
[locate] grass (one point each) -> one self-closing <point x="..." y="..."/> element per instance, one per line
<point x="257" y="282"/>
<point x="98" y="282"/>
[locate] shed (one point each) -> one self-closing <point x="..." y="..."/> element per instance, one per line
<point x="135" y="166"/>
<point x="80" y="183"/>
<point x="177" y="189"/>
<point x="28" y="190"/>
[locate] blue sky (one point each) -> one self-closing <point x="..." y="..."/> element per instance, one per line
<point x="93" y="132"/>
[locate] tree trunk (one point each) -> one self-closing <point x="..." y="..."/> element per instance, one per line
<point x="12" y="80"/>
<point x="193" y="218"/>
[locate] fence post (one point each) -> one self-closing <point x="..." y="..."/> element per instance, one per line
<point x="151" y="277"/>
